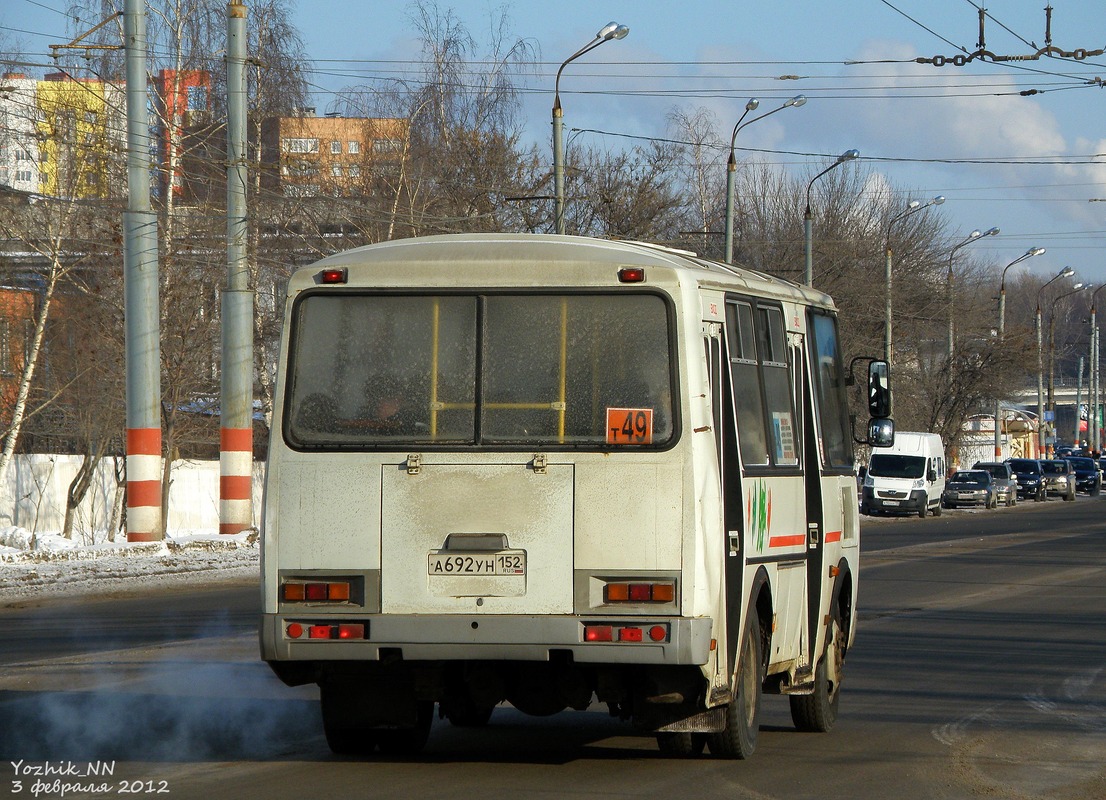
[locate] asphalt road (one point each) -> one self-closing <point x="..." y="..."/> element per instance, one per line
<point x="979" y="671"/>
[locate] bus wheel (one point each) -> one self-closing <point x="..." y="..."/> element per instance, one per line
<point x="681" y="745"/>
<point x="408" y="741"/>
<point x="343" y="735"/>
<point x="739" y="738"/>
<point x="817" y="712"/>
<point x="465" y="713"/>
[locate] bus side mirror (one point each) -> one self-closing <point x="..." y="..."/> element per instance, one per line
<point x="879" y="389"/>
<point x="881" y="432"/>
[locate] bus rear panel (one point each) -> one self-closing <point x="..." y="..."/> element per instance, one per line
<point x="513" y="469"/>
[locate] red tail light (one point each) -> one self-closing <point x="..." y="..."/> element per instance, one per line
<point x="640" y="592"/>
<point x="598" y="633"/>
<point x="335" y="592"/>
<point x="333" y="275"/>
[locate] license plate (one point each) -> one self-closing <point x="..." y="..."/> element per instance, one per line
<point x="890" y="502"/>
<point x="512" y="563"/>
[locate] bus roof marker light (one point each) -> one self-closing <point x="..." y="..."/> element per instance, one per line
<point x="631" y="275"/>
<point x="333" y="275"/>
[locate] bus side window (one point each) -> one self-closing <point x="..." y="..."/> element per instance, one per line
<point x="778" y="393"/>
<point x="829" y="382"/>
<point x="745" y="382"/>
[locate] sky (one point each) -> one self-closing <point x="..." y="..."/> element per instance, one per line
<point x="1011" y="145"/>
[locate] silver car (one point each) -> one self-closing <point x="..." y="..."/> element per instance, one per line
<point x="1006" y="485"/>
<point x="1059" y="478"/>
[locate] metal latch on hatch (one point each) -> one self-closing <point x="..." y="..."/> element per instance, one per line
<point x="414" y="464"/>
<point x="539" y="464"/>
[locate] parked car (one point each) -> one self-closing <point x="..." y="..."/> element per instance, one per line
<point x="969" y="487"/>
<point x="1059" y="478"/>
<point x="1006" y="487"/>
<point x="1027" y="472"/>
<point x="1087" y="477"/>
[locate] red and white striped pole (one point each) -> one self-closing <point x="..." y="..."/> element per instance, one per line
<point x="144" y="485"/>
<point x="236" y="386"/>
<point x="235" y="480"/>
<point x="140" y="283"/>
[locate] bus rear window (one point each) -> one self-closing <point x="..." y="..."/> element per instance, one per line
<point x="578" y="370"/>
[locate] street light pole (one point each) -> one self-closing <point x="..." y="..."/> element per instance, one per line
<point x="949" y="281"/>
<point x="1032" y="251"/>
<point x="731" y="163"/>
<point x="1094" y="387"/>
<point x="1066" y="272"/>
<point x="612" y="30"/>
<point x="808" y="217"/>
<point x="912" y="206"/>
<point x="1076" y="288"/>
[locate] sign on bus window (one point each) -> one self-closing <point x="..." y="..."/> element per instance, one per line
<point x="629" y="426"/>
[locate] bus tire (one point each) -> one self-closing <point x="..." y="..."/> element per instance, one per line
<point x="681" y="745"/>
<point x="343" y="735"/>
<point x="817" y="712"/>
<point x="408" y="741"/>
<point x="739" y="738"/>
<point x="465" y="713"/>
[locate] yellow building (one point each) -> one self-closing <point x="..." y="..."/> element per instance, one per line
<point x="79" y="137"/>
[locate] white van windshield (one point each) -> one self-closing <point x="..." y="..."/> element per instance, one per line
<point x="888" y="465"/>
<point x="582" y="370"/>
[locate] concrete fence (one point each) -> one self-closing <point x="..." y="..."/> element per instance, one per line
<point x="32" y="496"/>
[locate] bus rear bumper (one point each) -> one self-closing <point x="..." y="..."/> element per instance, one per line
<point x="636" y="640"/>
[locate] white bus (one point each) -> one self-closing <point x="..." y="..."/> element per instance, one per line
<point x="548" y="471"/>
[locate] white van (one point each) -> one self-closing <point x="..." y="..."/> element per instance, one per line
<point x="906" y="477"/>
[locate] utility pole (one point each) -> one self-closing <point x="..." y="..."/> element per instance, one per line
<point x="236" y="386"/>
<point x="1076" y="438"/>
<point x="140" y="280"/>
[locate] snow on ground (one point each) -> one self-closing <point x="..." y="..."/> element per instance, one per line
<point x="49" y="565"/>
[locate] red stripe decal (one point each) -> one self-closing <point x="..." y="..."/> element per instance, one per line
<point x="236" y="439"/>
<point x="833" y="536"/>
<point x="231" y="528"/>
<point x="144" y="441"/>
<point x="787" y="541"/>
<point x="235" y="487"/>
<point x="143" y="493"/>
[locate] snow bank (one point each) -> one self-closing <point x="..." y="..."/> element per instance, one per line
<point x="48" y="565"/>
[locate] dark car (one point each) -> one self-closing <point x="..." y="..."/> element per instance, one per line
<point x="1003" y="476"/>
<point x="1027" y="472"/>
<point x="1059" y="478"/>
<point x="1087" y="477"/>
<point x="970" y="487"/>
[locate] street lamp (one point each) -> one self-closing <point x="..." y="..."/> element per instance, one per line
<point x="973" y="236"/>
<point x="731" y="164"/>
<point x="1032" y="251"/>
<point x="1095" y="388"/>
<point x="808" y="217"/>
<point x="612" y="30"/>
<point x="1075" y="289"/>
<point x="911" y="207"/>
<point x="1066" y="272"/>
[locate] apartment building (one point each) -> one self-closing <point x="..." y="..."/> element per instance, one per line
<point x="81" y="134"/>
<point x="308" y="156"/>
<point x="18" y="143"/>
